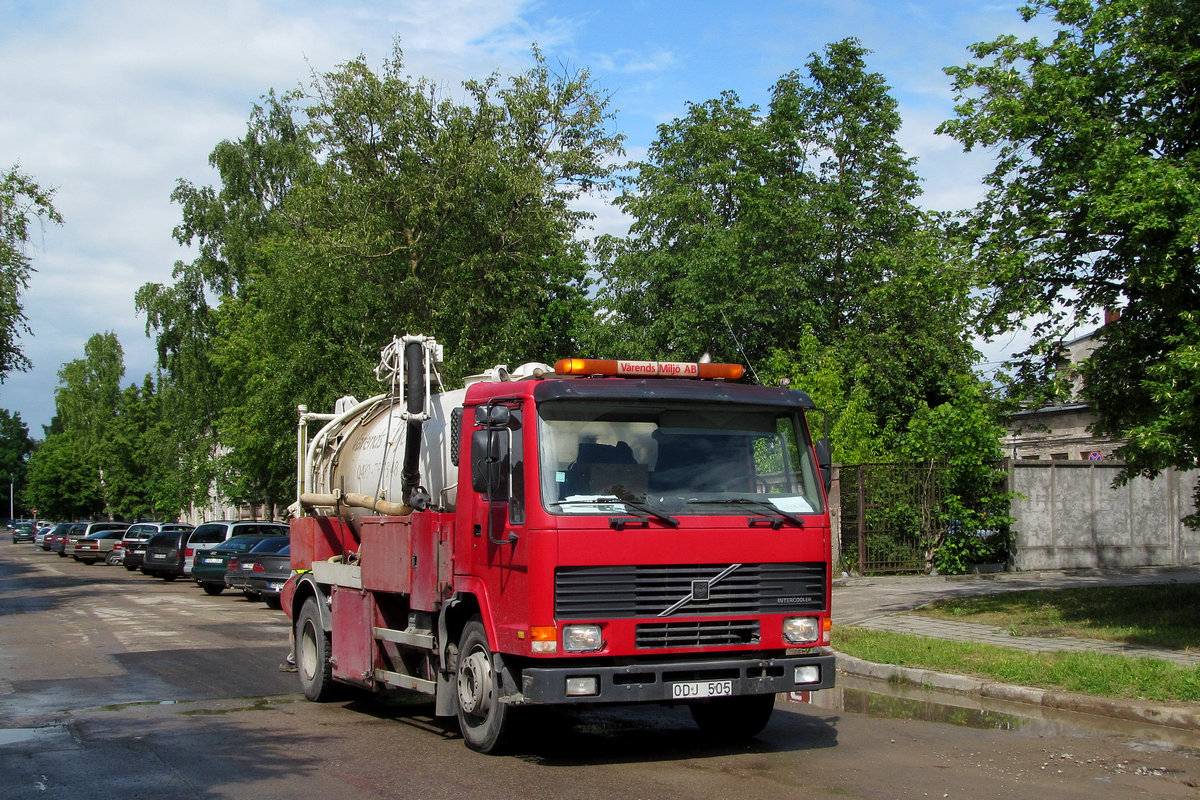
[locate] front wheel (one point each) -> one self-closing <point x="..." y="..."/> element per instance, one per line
<point x="168" y="577"/>
<point x="732" y="719"/>
<point x="313" y="646"/>
<point x="482" y="718"/>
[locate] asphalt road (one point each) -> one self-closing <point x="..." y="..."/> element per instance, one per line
<point x="114" y="685"/>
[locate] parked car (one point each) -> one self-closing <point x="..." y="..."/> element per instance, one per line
<point x="267" y="574"/>
<point x="95" y="546"/>
<point x="132" y="547"/>
<point x="78" y="534"/>
<point x="58" y="530"/>
<point x="22" y="532"/>
<point x="164" y="555"/>
<point x="212" y="565"/>
<point x="58" y="541"/>
<point x="39" y="538"/>
<point x="240" y="565"/>
<point x="211" y="534"/>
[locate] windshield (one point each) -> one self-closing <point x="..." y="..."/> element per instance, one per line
<point x="599" y="457"/>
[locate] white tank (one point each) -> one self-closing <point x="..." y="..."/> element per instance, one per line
<point x="362" y="451"/>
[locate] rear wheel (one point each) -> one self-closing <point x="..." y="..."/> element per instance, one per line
<point x="482" y="718"/>
<point x="131" y="567"/>
<point x="312" y="653"/>
<point x="731" y="719"/>
<point x="168" y="577"/>
<point x="273" y="601"/>
<point x="251" y="596"/>
<point x="213" y="588"/>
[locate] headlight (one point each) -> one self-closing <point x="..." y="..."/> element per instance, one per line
<point x="582" y="638"/>
<point x="801" y="630"/>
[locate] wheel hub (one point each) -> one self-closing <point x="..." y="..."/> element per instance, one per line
<point x="475" y="684"/>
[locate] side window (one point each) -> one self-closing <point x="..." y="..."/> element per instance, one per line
<point x="516" y="461"/>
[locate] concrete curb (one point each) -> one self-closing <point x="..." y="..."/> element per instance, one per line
<point x="1186" y="717"/>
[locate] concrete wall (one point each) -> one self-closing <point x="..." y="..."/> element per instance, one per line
<point x="1069" y="516"/>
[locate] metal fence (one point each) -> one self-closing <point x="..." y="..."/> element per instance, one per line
<point x="890" y="516"/>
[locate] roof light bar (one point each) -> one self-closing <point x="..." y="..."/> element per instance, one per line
<point x="647" y="369"/>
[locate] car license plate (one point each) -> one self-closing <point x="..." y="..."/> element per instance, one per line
<point x="275" y="586"/>
<point x="158" y="555"/>
<point x="691" y="689"/>
<point x="212" y="561"/>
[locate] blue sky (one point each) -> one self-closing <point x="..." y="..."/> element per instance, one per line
<point x="111" y="102"/>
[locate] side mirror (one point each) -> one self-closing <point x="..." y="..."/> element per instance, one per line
<point x="489" y="462"/>
<point x="497" y="416"/>
<point x="825" y="461"/>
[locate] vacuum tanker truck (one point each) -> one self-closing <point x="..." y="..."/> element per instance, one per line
<point x="588" y="532"/>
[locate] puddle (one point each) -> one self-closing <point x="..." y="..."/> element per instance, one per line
<point x="884" y="700"/>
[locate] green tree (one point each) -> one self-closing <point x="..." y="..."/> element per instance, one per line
<point x="752" y="231"/>
<point x="395" y="210"/>
<point x="1094" y="202"/>
<point x="15" y="448"/>
<point x="67" y="473"/>
<point x="64" y="479"/>
<point x="22" y="202"/>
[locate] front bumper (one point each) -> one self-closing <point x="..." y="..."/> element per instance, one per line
<point x="650" y="682"/>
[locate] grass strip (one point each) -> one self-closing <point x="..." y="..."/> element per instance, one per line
<point x="1098" y="674"/>
<point x="1154" y="616"/>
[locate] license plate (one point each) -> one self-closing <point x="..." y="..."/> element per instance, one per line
<point x="275" y="586"/>
<point x="692" y="689"/>
<point x="212" y="561"/>
<point x="158" y="555"/>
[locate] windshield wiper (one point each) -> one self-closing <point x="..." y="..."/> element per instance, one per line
<point x="641" y="508"/>
<point x="767" y="505"/>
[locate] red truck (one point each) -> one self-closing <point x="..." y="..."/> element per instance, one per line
<point x="599" y="531"/>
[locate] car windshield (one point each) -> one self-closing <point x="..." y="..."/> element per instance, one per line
<point x="609" y="457"/>
<point x="271" y="545"/>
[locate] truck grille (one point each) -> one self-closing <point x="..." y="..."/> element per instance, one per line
<point x="621" y="592"/>
<point x="697" y="634"/>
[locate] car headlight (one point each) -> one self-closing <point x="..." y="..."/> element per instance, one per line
<point x="582" y="638"/>
<point x="801" y="630"/>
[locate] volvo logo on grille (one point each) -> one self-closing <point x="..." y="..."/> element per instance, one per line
<point x="700" y="590"/>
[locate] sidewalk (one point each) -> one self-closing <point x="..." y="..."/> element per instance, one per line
<point x="880" y="603"/>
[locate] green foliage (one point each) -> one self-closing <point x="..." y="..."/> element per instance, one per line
<point x="1094" y="202"/>
<point x="963" y="434"/>
<point x="790" y="240"/>
<point x="370" y="207"/>
<point x="748" y="227"/>
<point x="64" y="480"/>
<point x="22" y="202"/>
<point x="15" y="447"/>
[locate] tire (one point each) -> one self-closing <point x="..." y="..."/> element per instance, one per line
<point x="131" y="567"/>
<point x="733" y="719"/>
<point x="88" y="561"/>
<point x="253" y="597"/>
<point x="212" y="588"/>
<point x="273" y="601"/>
<point x="485" y="722"/>
<point x="313" y="646"/>
<point x="168" y="576"/>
